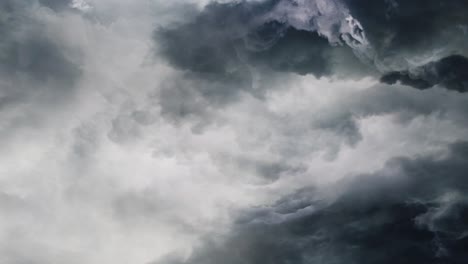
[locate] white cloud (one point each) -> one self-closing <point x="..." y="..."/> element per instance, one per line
<point x="81" y="5"/>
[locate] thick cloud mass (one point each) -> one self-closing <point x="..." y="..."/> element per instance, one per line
<point x="56" y="4"/>
<point x="450" y="72"/>
<point x="399" y="28"/>
<point x="30" y="59"/>
<point x="233" y="131"/>
<point x="227" y="37"/>
<point x="411" y="211"/>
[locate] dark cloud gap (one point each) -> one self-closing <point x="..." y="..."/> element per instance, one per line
<point x="450" y="72"/>
<point x="208" y="44"/>
<point x="414" y="210"/>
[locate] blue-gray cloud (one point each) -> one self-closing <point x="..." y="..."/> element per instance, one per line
<point x="305" y="37"/>
<point x="450" y="72"/>
<point x="414" y="210"/>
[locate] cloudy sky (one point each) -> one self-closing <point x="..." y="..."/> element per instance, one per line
<point x="237" y="132"/>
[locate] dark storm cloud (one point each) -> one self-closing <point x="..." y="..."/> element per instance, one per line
<point x="296" y="51"/>
<point x="31" y="61"/>
<point x="38" y="58"/>
<point x="225" y="38"/>
<point x="450" y="72"/>
<point x="56" y="4"/>
<point x="402" y="28"/>
<point x="412" y="211"/>
<point x="38" y="71"/>
<point x="26" y="50"/>
<point x="230" y="49"/>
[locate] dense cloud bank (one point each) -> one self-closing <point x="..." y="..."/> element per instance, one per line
<point x="316" y="37"/>
<point x="33" y="61"/>
<point x="414" y="210"/>
<point x="401" y="29"/>
<point x="450" y="72"/>
<point x="235" y="48"/>
<point x="197" y="131"/>
<point x="226" y="37"/>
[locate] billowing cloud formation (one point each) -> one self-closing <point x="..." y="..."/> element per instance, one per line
<point x="226" y="38"/>
<point x="315" y="37"/>
<point x="234" y="48"/>
<point x="400" y="30"/>
<point x="32" y="60"/>
<point x="56" y="4"/>
<point x="239" y="47"/>
<point x="450" y="72"/>
<point x="414" y="210"/>
<point x="135" y="130"/>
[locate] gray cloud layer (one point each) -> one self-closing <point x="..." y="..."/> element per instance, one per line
<point x="226" y="38"/>
<point x="450" y="72"/>
<point x="31" y="60"/>
<point x="227" y="46"/>
<point x="398" y="28"/>
<point x="277" y="131"/>
<point x="313" y="37"/>
<point x="411" y="211"/>
<point x="414" y="208"/>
